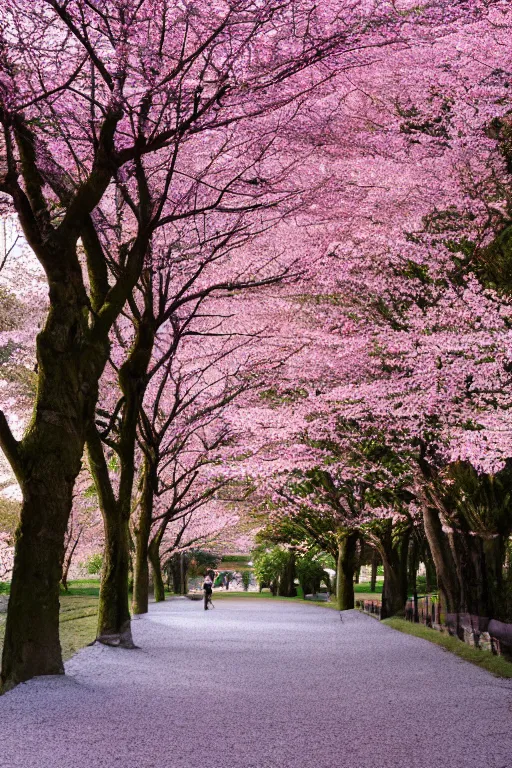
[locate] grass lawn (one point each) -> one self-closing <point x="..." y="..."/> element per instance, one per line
<point x="497" y="665"/>
<point x="362" y="591"/>
<point x="78" y="617"/>
<point x="364" y="588"/>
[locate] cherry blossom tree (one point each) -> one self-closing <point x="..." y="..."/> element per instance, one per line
<point x="92" y="93"/>
<point x="123" y="118"/>
<point x="414" y="303"/>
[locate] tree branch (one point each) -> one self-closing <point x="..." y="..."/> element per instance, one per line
<point x="11" y="448"/>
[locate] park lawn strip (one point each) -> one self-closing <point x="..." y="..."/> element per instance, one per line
<point x="364" y="589"/>
<point x="368" y="596"/>
<point x="77" y="633"/>
<point x="78" y="618"/>
<point x="497" y="665"/>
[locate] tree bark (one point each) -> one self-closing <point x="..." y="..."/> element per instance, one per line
<point x="373" y="577"/>
<point x="394" y="553"/>
<point x="446" y="569"/>
<point x="114" y="626"/>
<point x="430" y="570"/>
<point x="393" y="601"/>
<point x="287" y="579"/>
<point x="412" y="565"/>
<point x="68" y="558"/>
<point x="347" y="551"/>
<point x="156" y="567"/>
<point x="114" y="616"/>
<point x="495" y="556"/>
<point x="142" y="534"/>
<point x="179" y="569"/>
<point x="46" y="463"/>
<point x="475" y="573"/>
<point x="31" y="645"/>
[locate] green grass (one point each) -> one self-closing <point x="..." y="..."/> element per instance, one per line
<point x="78" y="617"/>
<point x="497" y="665"/>
<point x="364" y="589"/>
<point x="84" y="587"/>
<point x="77" y="634"/>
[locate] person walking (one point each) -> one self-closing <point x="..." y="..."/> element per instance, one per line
<point x="208" y="589"/>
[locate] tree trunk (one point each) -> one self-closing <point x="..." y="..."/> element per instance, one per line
<point x="46" y="463"/>
<point x="347" y="550"/>
<point x="430" y="570"/>
<point x="114" y="626"/>
<point x="373" y="577"/>
<point x="31" y="645"/>
<point x="113" y="615"/>
<point x="179" y="567"/>
<point x="475" y="573"/>
<point x="184" y="574"/>
<point x="495" y="556"/>
<point x="156" y="568"/>
<point x="412" y="565"/>
<point x="394" y="557"/>
<point x="287" y="579"/>
<point x="142" y="533"/>
<point x="393" y="602"/>
<point x="444" y="563"/>
<point x="68" y="559"/>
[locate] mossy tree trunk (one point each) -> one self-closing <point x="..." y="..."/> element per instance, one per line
<point x="476" y="573"/>
<point x="114" y="627"/>
<point x="72" y="350"/>
<point x="114" y="617"/>
<point x="114" y="624"/>
<point x="156" y="561"/>
<point x="287" y="578"/>
<point x="393" y="602"/>
<point x="140" y="602"/>
<point x="444" y="562"/>
<point x="430" y="569"/>
<point x="346" y="566"/>
<point x="393" y="547"/>
<point x="46" y="462"/>
<point x="156" y="568"/>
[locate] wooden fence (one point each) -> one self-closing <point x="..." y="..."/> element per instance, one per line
<point x="478" y="631"/>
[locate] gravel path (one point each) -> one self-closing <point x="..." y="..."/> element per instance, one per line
<point x="260" y="685"/>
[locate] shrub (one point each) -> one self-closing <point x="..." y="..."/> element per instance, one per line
<point x="94" y="563"/>
<point x="246" y="579"/>
<point x="268" y="566"/>
<point x="310" y="573"/>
